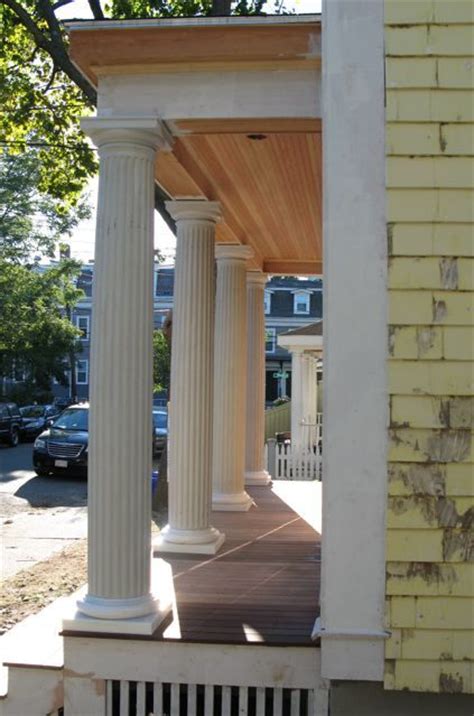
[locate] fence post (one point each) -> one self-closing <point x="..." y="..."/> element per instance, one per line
<point x="271" y="457"/>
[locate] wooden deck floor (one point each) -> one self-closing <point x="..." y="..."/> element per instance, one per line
<point x="263" y="585"/>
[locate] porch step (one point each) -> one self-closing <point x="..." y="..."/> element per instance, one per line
<point x="32" y="660"/>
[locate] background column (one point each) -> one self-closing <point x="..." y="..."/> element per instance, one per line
<point x="230" y="371"/>
<point x="255" y="473"/>
<point x="190" y="452"/>
<point x="121" y="387"/>
<point x="297" y="396"/>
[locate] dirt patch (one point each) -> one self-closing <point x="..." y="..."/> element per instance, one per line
<point x="30" y="590"/>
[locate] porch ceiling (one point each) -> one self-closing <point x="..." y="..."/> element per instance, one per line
<point x="262" y="161"/>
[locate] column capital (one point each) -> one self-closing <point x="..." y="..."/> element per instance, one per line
<point x="194" y="210"/>
<point x="143" y="131"/>
<point x="233" y="252"/>
<point x="296" y="351"/>
<point x="256" y="278"/>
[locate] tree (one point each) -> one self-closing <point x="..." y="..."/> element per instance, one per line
<point x="35" y="335"/>
<point x="161" y="362"/>
<point x="31" y="223"/>
<point x="43" y="94"/>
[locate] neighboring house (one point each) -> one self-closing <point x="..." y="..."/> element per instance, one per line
<point x="290" y="303"/>
<point x="82" y="318"/>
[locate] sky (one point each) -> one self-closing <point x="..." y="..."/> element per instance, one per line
<point x="83" y="239"/>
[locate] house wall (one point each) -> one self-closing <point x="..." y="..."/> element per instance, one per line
<point x="430" y="141"/>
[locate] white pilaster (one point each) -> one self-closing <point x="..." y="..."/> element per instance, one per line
<point x="255" y="473"/>
<point x="121" y="387"/>
<point x="190" y="467"/>
<point x="230" y="370"/>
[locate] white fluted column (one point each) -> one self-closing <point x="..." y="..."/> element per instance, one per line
<point x="190" y="466"/>
<point x="298" y="368"/>
<point x="314" y="388"/>
<point x="255" y="472"/>
<point x="230" y="371"/>
<point x="121" y="387"/>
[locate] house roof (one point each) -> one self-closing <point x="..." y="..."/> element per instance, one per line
<point x="307" y="338"/>
<point x="240" y="98"/>
<point x="312" y="329"/>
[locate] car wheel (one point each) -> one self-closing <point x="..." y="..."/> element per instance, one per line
<point x="41" y="472"/>
<point x="14" y="438"/>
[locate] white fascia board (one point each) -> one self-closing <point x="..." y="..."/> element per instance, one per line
<point x="234" y="94"/>
<point x="306" y="343"/>
<point x="184" y="22"/>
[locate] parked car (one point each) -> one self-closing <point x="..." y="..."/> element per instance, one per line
<point x="10" y="423"/>
<point x="160" y="430"/>
<point x="62" y="449"/>
<point x="37" y="418"/>
<point x="61" y="403"/>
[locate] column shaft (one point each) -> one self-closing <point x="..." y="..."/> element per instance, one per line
<point x="190" y="456"/>
<point x="230" y="370"/>
<point x="121" y="385"/>
<point x="297" y="398"/>
<point x="255" y="472"/>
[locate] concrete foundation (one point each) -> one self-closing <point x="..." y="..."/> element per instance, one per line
<point x="347" y="698"/>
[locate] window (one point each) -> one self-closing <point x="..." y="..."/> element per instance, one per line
<point x="82" y="372"/>
<point x="82" y="322"/>
<point x="270" y="340"/>
<point x="18" y="373"/>
<point x="301" y="303"/>
<point x="267" y="302"/>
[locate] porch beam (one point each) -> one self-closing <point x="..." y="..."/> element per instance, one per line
<point x="292" y="267"/>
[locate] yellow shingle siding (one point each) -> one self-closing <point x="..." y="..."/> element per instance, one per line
<point x="430" y="211"/>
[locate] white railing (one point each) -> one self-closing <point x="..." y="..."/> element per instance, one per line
<point x="285" y="461"/>
<point x="297" y="464"/>
<point x="312" y="432"/>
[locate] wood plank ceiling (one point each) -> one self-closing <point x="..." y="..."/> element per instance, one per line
<point x="269" y="187"/>
<point x="267" y="173"/>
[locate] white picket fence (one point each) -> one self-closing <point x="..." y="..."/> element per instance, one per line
<point x="301" y="464"/>
<point x="304" y="462"/>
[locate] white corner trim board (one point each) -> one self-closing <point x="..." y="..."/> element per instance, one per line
<point x="355" y="386"/>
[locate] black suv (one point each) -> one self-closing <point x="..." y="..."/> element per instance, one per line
<point x="11" y="423"/>
<point x="62" y="450"/>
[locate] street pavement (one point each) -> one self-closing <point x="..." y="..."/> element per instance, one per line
<point x="38" y="515"/>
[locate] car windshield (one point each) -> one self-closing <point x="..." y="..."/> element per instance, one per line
<point x="32" y="411"/>
<point x="73" y="419"/>
<point x="160" y="420"/>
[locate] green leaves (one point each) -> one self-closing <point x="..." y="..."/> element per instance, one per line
<point x="34" y="332"/>
<point x="32" y="221"/>
<point x="161" y="362"/>
<point x="41" y="105"/>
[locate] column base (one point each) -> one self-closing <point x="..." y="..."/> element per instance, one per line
<point x="234" y="502"/>
<point x="207" y="541"/>
<point x="138" y="615"/>
<point x="262" y="477"/>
